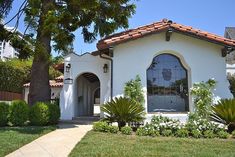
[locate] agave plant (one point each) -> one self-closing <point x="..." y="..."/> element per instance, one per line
<point x="224" y="112"/>
<point x="123" y="110"/>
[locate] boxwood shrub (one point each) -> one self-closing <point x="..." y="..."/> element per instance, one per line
<point x="209" y="134"/>
<point x="126" y="130"/>
<point x="223" y="134"/>
<point x="233" y="134"/>
<point x="182" y="133"/>
<point x="196" y="133"/>
<point x="39" y="114"/>
<point x="101" y="126"/>
<point x="167" y="132"/>
<point x="4" y="113"/>
<point x="19" y="113"/>
<point x="54" y="113"/>
<point x="113" y="129"/>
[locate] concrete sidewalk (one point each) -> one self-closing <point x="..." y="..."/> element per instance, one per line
<point x="58" y="143"/>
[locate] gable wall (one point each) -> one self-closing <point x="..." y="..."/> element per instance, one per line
<point x="203" y="59"/>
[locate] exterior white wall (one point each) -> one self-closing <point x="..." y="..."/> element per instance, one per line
<point x="55" y="93"/>
<point x="7" y="51"/>
<point x="79" y="65"/>
<point x="202" y="60"/>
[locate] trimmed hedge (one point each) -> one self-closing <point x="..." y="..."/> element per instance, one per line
<point x="11" y="78"/>
<point x="15" y="72"/>
<point x="4" y="113"/>
<point x="54" y="113"/>
<point x="19" y="113"/>
<point x="39" y="114"/>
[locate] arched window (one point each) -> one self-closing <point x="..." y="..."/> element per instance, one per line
<point x="167" y="85"/>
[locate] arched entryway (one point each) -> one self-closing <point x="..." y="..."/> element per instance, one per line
<point x="88" y="95"/>
<point x="167" y="85"/>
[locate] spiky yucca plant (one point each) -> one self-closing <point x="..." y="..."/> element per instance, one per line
<point x="123" y="110"/>
<point x="224" y="112"/>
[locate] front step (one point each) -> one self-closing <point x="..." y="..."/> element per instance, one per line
<point x="84" y="120"/>
<point x="87" y="118"/>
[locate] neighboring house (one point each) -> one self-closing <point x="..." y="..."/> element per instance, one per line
<point x="168" y="57"/>
<point x="56" y="87"/>
<point x="230" y="34"/>
<point x="6" y="50"/>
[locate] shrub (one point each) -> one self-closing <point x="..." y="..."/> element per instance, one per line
<point x="166" y="132"/>
<point x="231" y="79"/>
<point x="147" y="130"/>
<point x="4" y="113"/>
<point x="203" y="97"/>
<point x="142" y="132"/>
<point x="196" y="122"/>
<point x="196" y="133"/>
<point x="39" y="114"/>
<point x="19" y="113"/>
<point x="113" y="129"/>
<point x="123" y="110"/>
<point x="133" y="90"/>
<point x="161" y="123"/>
<point x="233" y="134"/>
<point x="223" y="134"/>
<point x="101" y="126"/>
<point x="182" y="133"/>
<point x="224" y="112"/>
<point x="126" y="130"/>
<point x="54" y="113"/>
<point x="209" y="134"/>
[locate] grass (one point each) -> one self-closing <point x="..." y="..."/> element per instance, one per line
<point x="115" y="145"/>
<point x="12" y="138"/>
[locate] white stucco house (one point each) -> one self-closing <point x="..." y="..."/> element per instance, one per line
<point x="168" y="57"/>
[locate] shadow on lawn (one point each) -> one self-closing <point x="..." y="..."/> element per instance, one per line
<point x="28" y="129"/>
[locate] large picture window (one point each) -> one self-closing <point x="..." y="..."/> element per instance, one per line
<point x="167" y="85"/>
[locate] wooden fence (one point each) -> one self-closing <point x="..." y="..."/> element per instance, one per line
<point x="9" y="96"/>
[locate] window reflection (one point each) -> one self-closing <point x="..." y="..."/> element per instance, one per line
<point x="167" y="85"/>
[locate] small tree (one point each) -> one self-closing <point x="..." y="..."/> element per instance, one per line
<point x="203" y="97"/>
<point x="133" y="90"/>
<point x="231" y="79"/>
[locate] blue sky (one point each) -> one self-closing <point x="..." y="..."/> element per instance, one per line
<point x="208" y="15"/>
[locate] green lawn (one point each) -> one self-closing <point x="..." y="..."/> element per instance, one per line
<point x="105" y="145"/>
<point x="12" y="138"/>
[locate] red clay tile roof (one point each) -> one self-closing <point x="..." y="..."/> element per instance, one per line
<point x="59" y="67"/>
<point x="161" y="26"/>
<point x="60" y="78"/>
<point x="53" y="83"/>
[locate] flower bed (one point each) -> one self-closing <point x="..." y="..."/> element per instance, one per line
<point x="195" y="127"/>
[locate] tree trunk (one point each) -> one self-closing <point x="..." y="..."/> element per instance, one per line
<point x="39" y="85"/>
<point x="231" y="127"/>
<point x="121" y="124"/>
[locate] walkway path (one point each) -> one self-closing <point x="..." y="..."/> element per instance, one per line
<point x="58" y="143"/>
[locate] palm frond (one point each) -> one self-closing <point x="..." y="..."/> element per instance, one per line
<point x="224" y="111"/>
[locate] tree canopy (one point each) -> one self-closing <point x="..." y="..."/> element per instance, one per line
<point x="54" y="22"/>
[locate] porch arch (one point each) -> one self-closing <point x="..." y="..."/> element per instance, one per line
<point x="86" y="84"/>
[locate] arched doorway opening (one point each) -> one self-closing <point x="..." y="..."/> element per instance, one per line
<point x="88" y="94"/>
<point x="167" y="85"/>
